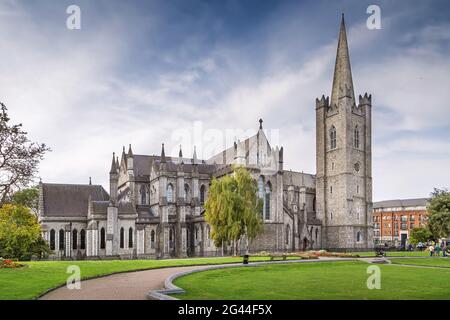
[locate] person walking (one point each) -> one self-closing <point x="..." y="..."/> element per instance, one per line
<point x="431" y="248"/>
<point x="437" y="249"/>
<point x="444" y="248"/>
<point x="420" y="246"/>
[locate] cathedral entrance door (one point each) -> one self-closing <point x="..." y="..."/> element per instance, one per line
<point x="305" y="244"/>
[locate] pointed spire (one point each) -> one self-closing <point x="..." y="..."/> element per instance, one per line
<point x="117" y="163"/>
<point x="90" y="181"/>
<point x="180" y="154"/>
<point x="194" y="156"/>
<point x="342" y="80"/>
<point x="130" y="152"/>
<point x="113" y="164"/>
<point x="260" y="124"/>
<point x="163" y="154"/>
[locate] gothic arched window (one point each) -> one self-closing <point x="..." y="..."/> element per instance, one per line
<point x="356" y="138"/>
<point x="358" y="236"/>
<point x="333" y="137"/>
<point x="74" y="239"/>
<point x="169" y="193"/>
<point x="102" y="238"/>
<point x="122" y="238"/>
<point x="130" y="238"/>
<point x="267" y="201"/>
<point x="152" y="239"/>
<point x="143" y="193"/>
<point x="52" y="239"/>
<point x="317" y="232"/>
<point x="171" y="242"/>
<point x="61" y="239"/>
<point x="186" y="193"/>
<point x="82" y="239"/>
<point x="202" y="193"/>
<point x="288" y="234"/>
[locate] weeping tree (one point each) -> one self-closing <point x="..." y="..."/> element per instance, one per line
<point x="19" y="157"/>
<point x="233" y="209"/>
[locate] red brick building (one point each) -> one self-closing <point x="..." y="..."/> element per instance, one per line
<point x="393" y="220"/>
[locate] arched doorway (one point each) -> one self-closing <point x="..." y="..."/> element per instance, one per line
<point x="305" y="244"/>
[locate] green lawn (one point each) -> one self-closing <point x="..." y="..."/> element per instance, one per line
<point x="31" y="281"/>
<point x="396" y="254"/>
<point x="431" y="262"/>
<point x="325" y="280"/>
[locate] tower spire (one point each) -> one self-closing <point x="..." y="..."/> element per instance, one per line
<point x="113" y="164"/>
<point x="163" y="154"/>
<point x="342" y="80"/>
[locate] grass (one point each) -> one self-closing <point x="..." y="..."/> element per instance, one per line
<point x="429" y="262"/>
<point x="31" y="281"/>
<point x="325" y="280"/>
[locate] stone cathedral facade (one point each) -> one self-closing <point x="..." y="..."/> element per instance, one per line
<point x="154" y="208"/>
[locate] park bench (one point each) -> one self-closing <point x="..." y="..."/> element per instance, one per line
<point x="380" y="253"/>
<point x="278" y="256"/>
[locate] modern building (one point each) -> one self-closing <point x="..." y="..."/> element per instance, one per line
<point x="394" y="219"/>
<point x="155" y="203"/>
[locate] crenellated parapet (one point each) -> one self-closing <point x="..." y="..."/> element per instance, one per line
<point x="365" y="100"/>
<point x="323" y="102"/>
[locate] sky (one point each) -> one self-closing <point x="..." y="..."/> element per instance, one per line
<point x="199" y="72"/>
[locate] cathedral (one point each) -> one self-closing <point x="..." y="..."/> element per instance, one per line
<point x="154" y="208"/>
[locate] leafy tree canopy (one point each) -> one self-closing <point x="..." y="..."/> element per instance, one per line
<point x="420" y="235"/>
<point x="28" y="197"/>
<point x="20" y="233"/>
<point x="439" y="213"/>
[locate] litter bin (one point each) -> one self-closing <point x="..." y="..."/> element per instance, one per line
<point x="245" y="261"/>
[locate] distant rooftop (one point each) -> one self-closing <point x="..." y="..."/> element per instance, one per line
<point x="401" y="203"/>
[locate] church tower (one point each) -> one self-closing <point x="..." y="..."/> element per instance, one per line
<point x="344" y="159"/>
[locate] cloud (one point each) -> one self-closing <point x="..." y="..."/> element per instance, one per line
<point x="87" y="94"/>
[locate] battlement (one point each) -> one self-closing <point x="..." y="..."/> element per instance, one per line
<point x="323" y="102"/>
<point x="365" y="100"/>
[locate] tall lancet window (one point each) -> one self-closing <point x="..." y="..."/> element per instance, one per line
<point x="267" y="201"/>
<point x="333" y="137"/>
<point x="144" y="192"/>
<point x="356" y="138"/>
<point x="186" y="193"/>
<point x="169" y="193"/>
<point x="261" y="191"/>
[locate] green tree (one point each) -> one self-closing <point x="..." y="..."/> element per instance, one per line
<point x="419" y="235"/>
<point x="439" y="213"/>
<point x="20" y="233"/>
<point x="28" y="197"/>
<point x="233" y="209"/>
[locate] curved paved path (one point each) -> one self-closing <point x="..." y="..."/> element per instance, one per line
<point x="121" y="286"/>
<point x="135" y="285"/>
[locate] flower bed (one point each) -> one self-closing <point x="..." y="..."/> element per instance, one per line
<point x="9" y="264"/>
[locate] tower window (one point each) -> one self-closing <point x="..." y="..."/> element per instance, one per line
<point x="357" y="189"/>
<point x="202" y="193"/>
<point x="356" y="138"/>
<point x="331" y="189"/>
<point x="169" y="193"/>
<point x="358" y="236"/>
<point x="333" y="137"/>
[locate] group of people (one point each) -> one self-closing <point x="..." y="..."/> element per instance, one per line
<point x="435" y="248"/>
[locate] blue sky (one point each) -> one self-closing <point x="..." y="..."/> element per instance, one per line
<point x="140" y="71"/>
